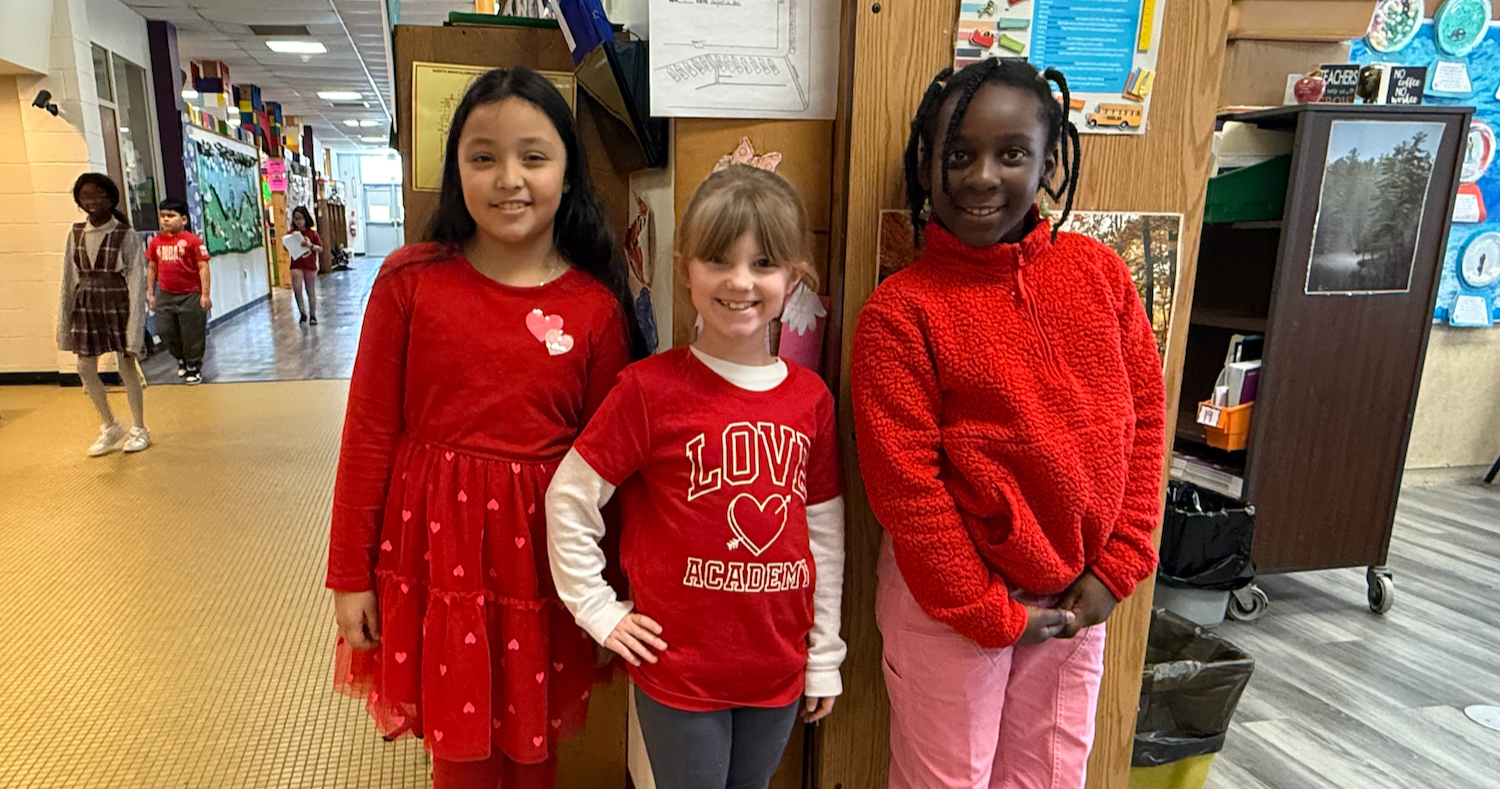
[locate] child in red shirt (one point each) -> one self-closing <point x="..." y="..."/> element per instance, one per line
<point x="305" y="267"/>
<point x="483" y="353"/>
<point x="726" y="461"/>
<point x="178" y="261"/>
<point x="1009" y="410"/>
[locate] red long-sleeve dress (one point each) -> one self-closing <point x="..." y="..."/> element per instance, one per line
<point x="466" y="394"/>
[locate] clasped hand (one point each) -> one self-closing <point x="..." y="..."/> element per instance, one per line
<point x="1085" y="603"/>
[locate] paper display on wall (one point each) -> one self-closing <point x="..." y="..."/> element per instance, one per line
<point x="744" y="58"/>
<point x="1107" y="49"/>
<point x="437" y="89"/>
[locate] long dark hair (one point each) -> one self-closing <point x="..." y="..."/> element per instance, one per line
<point x="107" y="184"/>
<point x="580" y="230"/>
<point x="1062" y="135"/>
<point x="306" y="217"/>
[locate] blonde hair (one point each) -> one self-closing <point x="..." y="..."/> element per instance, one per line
<point x="741" y="199"/>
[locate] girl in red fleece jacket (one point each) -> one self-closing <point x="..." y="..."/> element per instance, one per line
<point x="1009" y="407"/>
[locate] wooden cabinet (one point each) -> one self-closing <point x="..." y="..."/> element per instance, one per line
<point x="1342" y="288"/>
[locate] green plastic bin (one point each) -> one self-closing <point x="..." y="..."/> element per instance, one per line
<point x="1249" y="194"/>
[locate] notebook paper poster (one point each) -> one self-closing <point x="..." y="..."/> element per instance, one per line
<point x="1107" y="49"/>
<point x="744" y="58"/>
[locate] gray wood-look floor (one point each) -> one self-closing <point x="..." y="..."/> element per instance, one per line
<point x="266" y="343"/>
<point x="1342" y="697"/>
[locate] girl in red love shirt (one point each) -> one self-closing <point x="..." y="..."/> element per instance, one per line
<point x="1009" y="411"/>
<point x="731" y="513"/>
<point x="483" y="354"/>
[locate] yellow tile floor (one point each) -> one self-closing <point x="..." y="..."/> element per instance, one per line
<point x="162" y="616"/>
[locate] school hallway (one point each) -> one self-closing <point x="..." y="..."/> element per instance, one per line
<point x="165" y="624"/>
<point x="265" y="342"/>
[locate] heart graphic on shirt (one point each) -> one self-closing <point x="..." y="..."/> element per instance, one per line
<point x="398" y="720"/>
<point x="447" y="456"/>
<point x="557" y="667"/>
<point x="515" y="468"/>
<point x="469" y="708"/>
<point x="435" y="526"/>
<point x="348" y="677"/>
<point x="386" y="546"/>
<point x="540" y="323"/>
<point x="558" y="343"/>
<point x="557" y="723"/>
<point x="442" y="669"/>
<point x="520" y="542"/>
<point x="374" y="696"/>
<point x="514" y="645"/>
<point x="540" y="677"/>
<point x="537" y="741"/>
<point x="437" y="735"/>
<point x="495" y="722"/>
<point x="406" y="515"/>
<point x="493" y="506"/>
<point x="400" y="657"/>
<point x="585" y="695"/>
<point x="757" y="524"/>
<point x="458" y="572"/>
<point x="462" y="497"/>
<point x="470" y="639"/>
<point x="531" y="510"/>
<point x="405" y="588"/>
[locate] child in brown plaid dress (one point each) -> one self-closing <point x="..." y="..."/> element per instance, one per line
<point x="102" y="308"/>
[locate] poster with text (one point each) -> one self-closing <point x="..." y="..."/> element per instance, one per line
<point x="1107" y="50"/>
<point x="1469" y="284"/>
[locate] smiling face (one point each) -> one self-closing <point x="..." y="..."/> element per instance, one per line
<point x="95" y="202"/>
<point x="738" y="295"/>
<point x="996" y="165"/>
<point x="513" y="166"/>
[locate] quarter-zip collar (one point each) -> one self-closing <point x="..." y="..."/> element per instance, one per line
<point x="1000" y="262"/>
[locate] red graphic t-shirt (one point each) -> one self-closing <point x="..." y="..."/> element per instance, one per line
<point x="177" y="258"/>
<point x="714" y="483"/>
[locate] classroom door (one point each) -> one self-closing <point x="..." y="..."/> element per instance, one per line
<point x="384" y="218"/>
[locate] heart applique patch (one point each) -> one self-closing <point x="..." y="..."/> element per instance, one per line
<point x="548" y="329"/>
<point x="757" y="524"/>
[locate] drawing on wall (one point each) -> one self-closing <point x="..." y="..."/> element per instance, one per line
<point x="229" y="184"/>
<point x="744" y="59"/>
<point x="1107" y="50"/>
<point x="1148" y="244"/>
<point x="437" y="89"/>
<point x="1375" y="181"/>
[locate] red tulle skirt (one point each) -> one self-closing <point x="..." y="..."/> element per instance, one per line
<point x="476" y="653"/>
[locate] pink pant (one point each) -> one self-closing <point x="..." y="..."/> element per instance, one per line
<point x="965" y="717"/>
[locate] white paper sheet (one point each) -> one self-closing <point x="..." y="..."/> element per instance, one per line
<point x="296" y="244"/>
<point x="744" y="58"/>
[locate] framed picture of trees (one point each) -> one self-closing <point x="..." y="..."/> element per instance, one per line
<point x="1376" y="178"/>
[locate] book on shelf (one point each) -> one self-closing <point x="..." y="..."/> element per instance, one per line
<point x="1208" y="475"/>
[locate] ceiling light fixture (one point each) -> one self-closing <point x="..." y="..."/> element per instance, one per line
<point x="339" y="95"/>
<point x="351" y="122"/>
<point x="297" y="47"/>
<point x="368" y="124"/>
<point x="190" y="94"/>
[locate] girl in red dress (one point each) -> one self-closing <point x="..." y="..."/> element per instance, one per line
<point x="484" y="352"/>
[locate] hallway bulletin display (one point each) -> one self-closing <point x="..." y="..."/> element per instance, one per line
<point x="1106" y="48"/>
<point x="229" y="185"/>
<point x="748" y="59"/>
<point x="1469" y="290"/>
<point x="437" y="89"/>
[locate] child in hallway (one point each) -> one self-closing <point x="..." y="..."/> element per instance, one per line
<point x="732" y="524"/>
<point x="484" y="352"/>
<point x="1009" y="412"/>
<point x="103" y="307"/>
<point x="179" y="263"/>
<point x="305" y="268"/>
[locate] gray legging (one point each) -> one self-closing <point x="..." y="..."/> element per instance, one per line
<point x="88" y="371"/>
<point x="737" y="748"/>
<point x="305" y="281"/>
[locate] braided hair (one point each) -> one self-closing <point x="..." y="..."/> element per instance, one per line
<point x="1062" y="135"/>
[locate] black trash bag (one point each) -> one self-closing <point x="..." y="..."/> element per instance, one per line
<point x="1190" y="685"/>
<point x="1205" y="540"/>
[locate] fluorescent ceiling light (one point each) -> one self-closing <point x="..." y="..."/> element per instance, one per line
<point x="190" y="94"/>
<point x="368" y="124"/>
<point x="297" y="47"/>
<point x="338" y="95"/>
<point x="351" y="122"/>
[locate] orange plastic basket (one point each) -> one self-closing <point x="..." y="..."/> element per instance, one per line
<point x="1230" y="429"/>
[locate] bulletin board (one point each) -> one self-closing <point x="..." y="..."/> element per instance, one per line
<point x="1469" y="290"/>
<point x="1107" y="49"/>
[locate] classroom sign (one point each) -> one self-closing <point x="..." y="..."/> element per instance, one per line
<point x="1462" y="45"/>
<point x="1107" y="49"/>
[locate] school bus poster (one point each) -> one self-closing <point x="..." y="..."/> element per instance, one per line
<point x="1107" y="49"/>
<point x="436" y="90"/>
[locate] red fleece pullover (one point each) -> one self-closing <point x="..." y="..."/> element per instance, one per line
<point x="1009" y="414"/>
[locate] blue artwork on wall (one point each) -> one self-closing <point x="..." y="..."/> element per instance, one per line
<point x="1469" y="291"/>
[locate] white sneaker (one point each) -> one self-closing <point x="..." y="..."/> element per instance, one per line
<point x="138" y="440"/>
<point x="108" y="440"/>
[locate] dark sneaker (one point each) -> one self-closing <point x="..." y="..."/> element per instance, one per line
<point x="193" y="377"/>
<point x="182" y="369"/>
<point x="303" y="319"/>
<point x="313" y="320"/>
